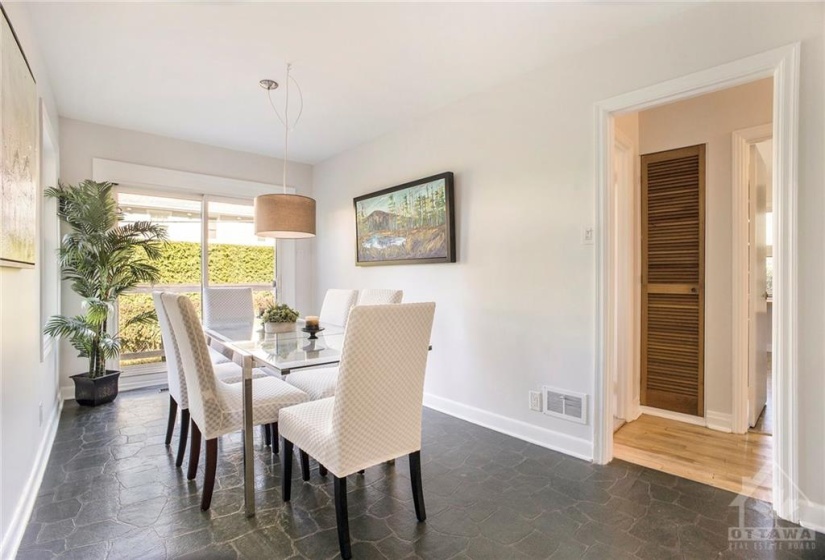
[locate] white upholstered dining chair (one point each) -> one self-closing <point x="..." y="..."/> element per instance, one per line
<point x="373" y="296"/>
<point x="178" y="396"/>
<point x="336" y="306"/>
<point x="319" y="383"/>
<point x="375" y="415"/>
<point x="224" y="307"/>
<point x="216" y="407"/>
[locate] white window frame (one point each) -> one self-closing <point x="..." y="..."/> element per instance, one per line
<point x="143" y="179"/>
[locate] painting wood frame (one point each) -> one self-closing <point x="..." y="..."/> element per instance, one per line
<point x="386" y="250"/>
<point x="18" y="96"/>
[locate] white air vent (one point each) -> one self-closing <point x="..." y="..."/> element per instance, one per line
<point x="565" y="404"/>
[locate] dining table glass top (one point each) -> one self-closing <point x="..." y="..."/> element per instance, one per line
<point x="283" y="351"/>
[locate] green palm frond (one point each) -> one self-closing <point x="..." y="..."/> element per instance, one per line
<point x="101" y="259"/>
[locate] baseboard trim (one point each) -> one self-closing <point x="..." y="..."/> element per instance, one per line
<point x="719" y="421"/>
<point x="20" y="517"/>
<point x="557" y="441"/>
<point x="812" y="516"/>
<point x="670" y="415"/>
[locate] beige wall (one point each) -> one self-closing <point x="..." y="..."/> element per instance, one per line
<point x="28" y="380"/>
<point x="517" y="310"/>
<point x="710" y="119"/>
<point x="82" y="141"/>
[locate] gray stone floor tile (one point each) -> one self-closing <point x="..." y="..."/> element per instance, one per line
<point x="111" y="491"/>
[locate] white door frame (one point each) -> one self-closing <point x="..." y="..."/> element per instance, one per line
<point x="741" y="141"/>
<point x="626" y="285"/>
<point x="782" y="65"/>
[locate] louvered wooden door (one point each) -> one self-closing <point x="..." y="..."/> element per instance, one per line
<point x="673" y="272"/>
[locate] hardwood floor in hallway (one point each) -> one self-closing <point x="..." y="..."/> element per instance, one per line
<point x="734" y="462"/>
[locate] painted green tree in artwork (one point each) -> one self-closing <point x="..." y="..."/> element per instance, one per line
<point x="391" y="206"/>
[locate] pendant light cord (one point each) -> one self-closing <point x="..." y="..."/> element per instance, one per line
<point x="285" y="119"/>
<point x="286" y="124"/>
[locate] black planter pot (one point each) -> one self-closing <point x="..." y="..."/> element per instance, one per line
<point x="95" y="391"/>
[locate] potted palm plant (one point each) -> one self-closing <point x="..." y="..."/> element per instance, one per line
<point x="102" y="260"/>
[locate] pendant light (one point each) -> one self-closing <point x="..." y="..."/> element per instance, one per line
<point x="284" y="215"/>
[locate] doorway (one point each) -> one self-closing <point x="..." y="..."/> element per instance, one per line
<point x="781" y="66"/>
<point x="682" y="241"/>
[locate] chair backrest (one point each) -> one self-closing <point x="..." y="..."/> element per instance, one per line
<point x="379" y="297"/>
<point x="380" y="389"/>
<point x="174" y="367"/>
<point x="337" y="304"/>
<point x="224" y="307"/>
<point x="201" y="384"/>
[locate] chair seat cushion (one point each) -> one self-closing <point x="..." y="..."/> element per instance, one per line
<point x="269" y="396"/>
<point x="231" y="372"/>
<point x="318" y="383"/>
<point x="311" y="424"/>
<point x="218" y="357"/>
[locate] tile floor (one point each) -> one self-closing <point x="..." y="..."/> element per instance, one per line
<point x="111" y="491"/>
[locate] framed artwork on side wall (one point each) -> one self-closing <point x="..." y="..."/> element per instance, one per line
<point x="18" y="153"/>
<point x="413" y="223"/>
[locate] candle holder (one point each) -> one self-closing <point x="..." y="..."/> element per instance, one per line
<point x="312" y="331"/>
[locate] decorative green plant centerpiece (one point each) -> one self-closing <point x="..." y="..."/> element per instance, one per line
<point x="278" y="317"/>
<point x="102" y="260"/>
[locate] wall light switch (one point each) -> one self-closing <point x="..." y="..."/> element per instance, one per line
<point x="588" y="235"/>
<point x="535" y="401"/>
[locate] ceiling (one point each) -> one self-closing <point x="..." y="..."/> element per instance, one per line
<point x="191" y="70"/>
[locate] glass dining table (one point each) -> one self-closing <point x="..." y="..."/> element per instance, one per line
<point x="282" y="352"/>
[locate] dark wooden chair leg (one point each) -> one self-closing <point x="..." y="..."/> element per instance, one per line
<point x="286" y="471"/>
<point x="304" y="465"/>
<point x="184" y="435"/>
<point x="274" y="429"/>
<point x="267" y="435"/>
<point x="209" y="478"/>
<point x="417" y="490"/>
<point x="322" y="470"/>
<point x="173" y="413"/>
<point x="194" y="452"/>
<point x="341" y="516"/>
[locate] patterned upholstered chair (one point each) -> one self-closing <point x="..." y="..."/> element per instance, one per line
<point x="319" y="383"/>
<point x="216" y="407"/>
<point x="375" y="415"/>
<point x="223" y="307"/>
<point x="178" y="398"/>
<point x="379" y="297"/>
<point x="336" y="306"/>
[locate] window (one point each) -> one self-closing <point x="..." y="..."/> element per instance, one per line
<point x="237" y="257"/>
<point x="234" y="257"/>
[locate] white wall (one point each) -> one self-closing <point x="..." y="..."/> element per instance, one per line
<point x="517" y="309"/>
<point x="710" y="119"/>
<point x="27" y="379"/>
<point x="82" y="141"/>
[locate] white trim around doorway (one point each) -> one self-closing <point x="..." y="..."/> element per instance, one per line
<point x="782" y="65"/>
<point x="741" y="141"/>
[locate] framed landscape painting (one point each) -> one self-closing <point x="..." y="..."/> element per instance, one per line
<point x="18" y="153"/>
<point x="412" y="223"/>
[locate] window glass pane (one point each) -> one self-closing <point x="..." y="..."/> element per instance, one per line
<point x="180" y="270"/>
<point x="237" y="257"/>
<point x="769" y="276"/>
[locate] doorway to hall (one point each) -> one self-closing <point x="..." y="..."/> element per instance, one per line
<point x="674" y="408"/>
